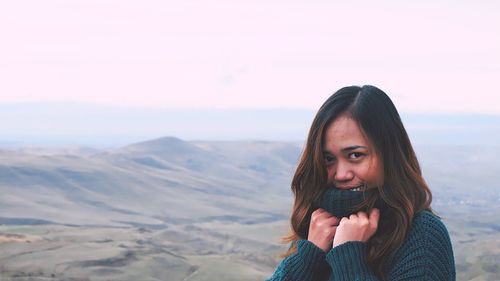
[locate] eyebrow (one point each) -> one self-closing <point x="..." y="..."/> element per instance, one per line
<point x="346" y="149"/>
<point x="353" y="147"/>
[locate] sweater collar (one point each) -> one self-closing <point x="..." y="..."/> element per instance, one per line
<point x="343" y="203"/>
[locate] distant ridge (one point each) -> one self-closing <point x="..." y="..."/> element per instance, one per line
<point x="163" y="145"/>
<point x="172" y="150"/>
<point x="150" y="182"/>
<point x="73" y="124"/>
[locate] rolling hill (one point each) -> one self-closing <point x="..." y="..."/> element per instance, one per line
<point x="169" y="209"/>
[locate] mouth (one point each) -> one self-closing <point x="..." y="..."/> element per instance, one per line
<point x="351" y="188"/>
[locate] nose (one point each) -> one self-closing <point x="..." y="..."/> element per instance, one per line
<point x="343" y="172"/>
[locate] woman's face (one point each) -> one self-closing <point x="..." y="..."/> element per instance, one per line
<point x="351" y="158"/>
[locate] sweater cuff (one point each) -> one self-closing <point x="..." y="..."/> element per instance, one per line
<point x="347" y="261"/>
<point x="306" y="264"/>
<point x="312" y="257"/>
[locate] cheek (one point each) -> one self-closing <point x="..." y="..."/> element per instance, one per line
<point x="365" y="173"/>
<point x="330" y="172"/>
<point x="377" y="174"/>
<point x="381" y="176"/>
<point x="372" y="173"/>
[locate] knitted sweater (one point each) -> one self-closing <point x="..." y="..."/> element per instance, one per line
<point x="426" y="254"/>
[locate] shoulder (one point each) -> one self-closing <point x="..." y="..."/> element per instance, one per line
<point x="428" y="231"/>
<point x="428" y="237"/>
<point x="429" y="224"/>
<point x="428" y="248"/>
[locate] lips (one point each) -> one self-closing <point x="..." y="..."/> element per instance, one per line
<point x="351" y="188"/>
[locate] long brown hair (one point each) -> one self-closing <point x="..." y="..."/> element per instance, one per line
<point x="404" y="191"/>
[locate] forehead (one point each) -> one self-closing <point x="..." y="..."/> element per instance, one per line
<point x="344" y="132"/>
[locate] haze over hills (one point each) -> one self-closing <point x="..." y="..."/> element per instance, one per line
<point x="169" y="209"/>
<point x="63" y="124"/>
<point x="166" y="173"/>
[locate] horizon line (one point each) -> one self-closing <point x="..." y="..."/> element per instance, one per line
<point x="211" y="108"/>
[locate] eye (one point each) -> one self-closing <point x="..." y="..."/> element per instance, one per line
<point x="355" y="155"/>
<point x="329" y="159"/>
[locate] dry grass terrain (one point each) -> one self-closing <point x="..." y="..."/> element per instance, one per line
<point x="167" y="209"/>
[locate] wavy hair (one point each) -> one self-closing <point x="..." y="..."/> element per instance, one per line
<point x="404" y="190"/>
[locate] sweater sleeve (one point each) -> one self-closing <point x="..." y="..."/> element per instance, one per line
<point x="425" y="255"/>
<point x="347" y="262"/>
<point x="307" y="264"/>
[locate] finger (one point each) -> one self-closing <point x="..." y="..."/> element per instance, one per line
<point x="332" y="233"/>
<point x="333" y="221"/>
<point x="374" y="217"/>
<point x="318" y="211"/>
<point x="362" y="215"/>
<point x="353" y="216"/>
<point x="343" y="220"/>
<point x="324" y="215"/>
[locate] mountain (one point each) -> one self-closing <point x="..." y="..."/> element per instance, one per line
<point x="179" y="180"/>
<point x="58" y="124"/>
<point x="170" y="209"/>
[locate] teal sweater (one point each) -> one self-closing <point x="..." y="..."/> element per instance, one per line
<point x="426" y="254"/>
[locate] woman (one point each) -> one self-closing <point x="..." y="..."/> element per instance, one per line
<point x="362" y="209"/>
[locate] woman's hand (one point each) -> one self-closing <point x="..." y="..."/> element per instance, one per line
<point x="358" y="227"/>
<point x="322" y="229"/>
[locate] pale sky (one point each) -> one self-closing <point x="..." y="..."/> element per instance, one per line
<point x="429" y="56"/>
